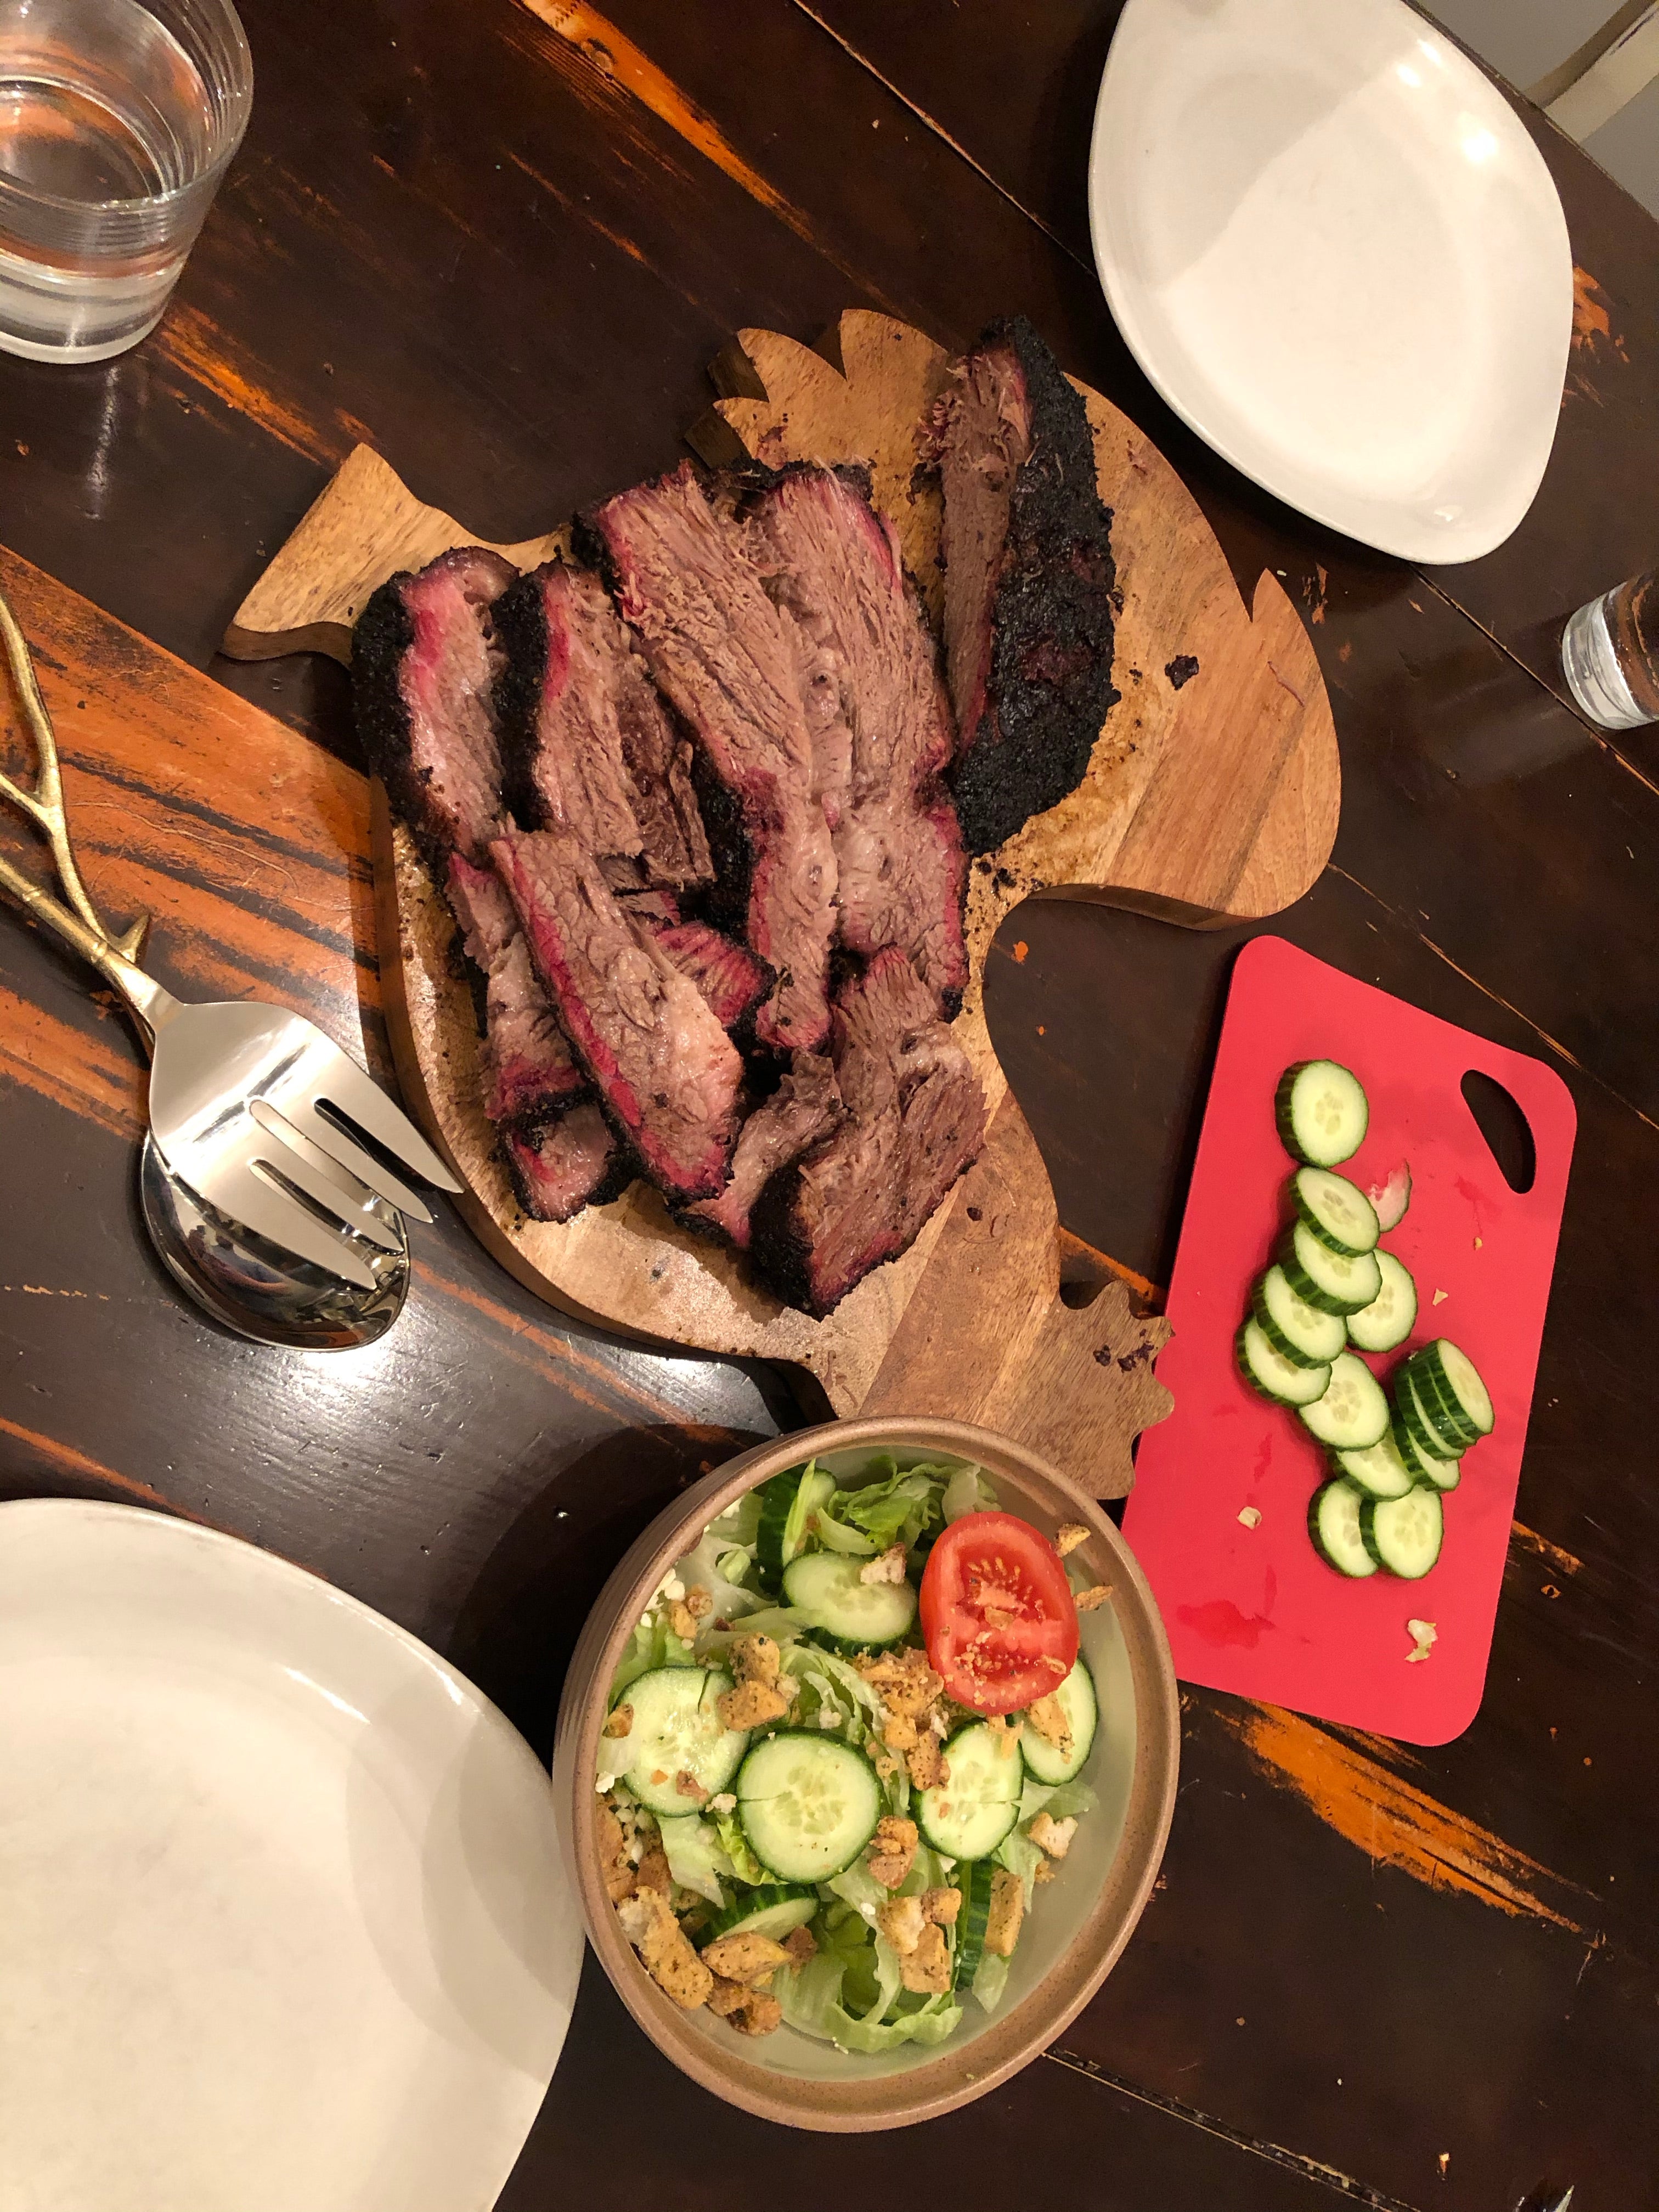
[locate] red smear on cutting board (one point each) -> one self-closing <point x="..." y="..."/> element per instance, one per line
<point x="1255" y="1611"/>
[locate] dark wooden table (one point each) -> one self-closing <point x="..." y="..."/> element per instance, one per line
<point x="500" y="240"/>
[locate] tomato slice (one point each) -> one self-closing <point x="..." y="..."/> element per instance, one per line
<point x="998" y="1613"/>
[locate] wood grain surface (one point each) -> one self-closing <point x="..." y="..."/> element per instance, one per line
<point x="1212" y="797"/>
<point x="1370" y="1978"/>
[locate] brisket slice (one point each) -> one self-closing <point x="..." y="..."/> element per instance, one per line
<point x="566" y="1162"/>
<point x="880" y="719"/>
<point x="916" y="1119"/>
<point x="717" y="646"/>
<point x="726" y="972"/>
<point x="1028" y="578"/>
<point x="527" y="1062"/>
<point x="666" y="1073"/>
<point x="424" y="660"/>
<point x="589" y="745"/>
<point x="805" y="1107"/>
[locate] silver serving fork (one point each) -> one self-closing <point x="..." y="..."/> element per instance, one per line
<point x="251" y="1106"/>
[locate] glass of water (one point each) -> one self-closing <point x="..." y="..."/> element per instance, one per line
<point x="117" y="120"/>
<point x="1610" y="655"/>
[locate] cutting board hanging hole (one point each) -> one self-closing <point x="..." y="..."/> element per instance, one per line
<point x="1506" y="1129"/>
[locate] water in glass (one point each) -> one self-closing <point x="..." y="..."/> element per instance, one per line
<point x="1610" y="655"/>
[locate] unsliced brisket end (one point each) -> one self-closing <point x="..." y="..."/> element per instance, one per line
<point x="528" y="1064"/>
<point x="804" y="1108"/>
<point x="916" y="1119"/>
<point x="560" y="1165"/>
<point x="666" y="1073"/>
<point x="424" y="660"/>
<point x="730" y="978"/>
<point x="717" y="646"/>
<point x="589" y="745"/>
<point x="1029" y="576"/>
<point x="880" y="717"/>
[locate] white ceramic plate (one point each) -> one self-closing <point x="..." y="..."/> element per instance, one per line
<point x="1338" y="255"/>
<point x="284" y="1925"/>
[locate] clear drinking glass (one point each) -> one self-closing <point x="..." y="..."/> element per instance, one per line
<point x="1610" y="655"/>
<point x="117" y="120"/>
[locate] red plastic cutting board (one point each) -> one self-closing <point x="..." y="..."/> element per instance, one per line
<point x="1255" y="1610"/>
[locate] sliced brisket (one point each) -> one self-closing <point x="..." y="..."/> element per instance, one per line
<point x="916" y="1119"/>
<point x="424" y="659"/>
<point x="590" y="747"/>
<point x="527" y="1061"/>
<point x="718" y="647"/>
<point x="879" y="717"/>
<point x="1028" y="582"/>
<point x="804" y="1108"/>
<point x="666" y="1073"/>
<point x="562" y="1164"/>
<point x="728" y="974"/>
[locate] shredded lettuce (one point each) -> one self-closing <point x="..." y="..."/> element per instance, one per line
<point x="966" y="1492"/>
<point x="1022" y="1856"/>
<point x="616" y="1757"/>
<point x="696" y="1855"/>
<point x="653" y="1644"/>
<point x="744" y="1866"/>
<point x="710" y="1564"/>
<point x="835" y="1536"/>
<point x="990" y="1980"/>
<point x="851" y="1994"/>
<point x="739" y="1523"/>
<point x="892" y="1509"/>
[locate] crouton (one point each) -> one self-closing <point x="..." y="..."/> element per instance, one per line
<point x="699" y="1602"/>
<point x="1049" y="1718"/>
<point x="1069" y="1536"/>
<point x="1090" y="1600"/>
<point x="801" y="1944"/>
<point x="621" y="1723"/>
<point x="755" y="1659"/>
<point x="927" y="1968"/>
<point x="750" y="1704"/>
<point x="893" y="1850"/>
<point x="686" y="1785"/>
<point x="898" y="1731"/>
<point x="927" y="1768"/>
<point x="614" y="1868"/>
<point x="664" y="1949"/>
<point x="1007" y="1728"/>
<point x="751" y="2012"/>
<point x="941" y="1906"/>
<point x="1007" y="1910"/>
<point x="884" y="1763"/>
<point x="900" y="1919"/>
<point x="744" y="1957"/>
<point x="888" y="1567"/>
<point x="903" y="1681"/>
<point x="654" y="1871"/>
<point x="1052" y="1836"/>
<point x="1043" y="1870"/>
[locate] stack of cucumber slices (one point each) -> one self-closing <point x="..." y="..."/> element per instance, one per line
<point x="1332" y="1294"/>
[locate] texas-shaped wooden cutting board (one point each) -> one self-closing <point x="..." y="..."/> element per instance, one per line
<point x="1211" y="796"/>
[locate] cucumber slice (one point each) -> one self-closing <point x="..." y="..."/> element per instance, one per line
<point x="1328" y="1281"/>
<point x="1296" y="1331"/>
<point x="809" y="1804"/>
<point x="1082" y="1709"/>
<point x="1461" y="1385"/>
<point x="1337" y="1211"/>
<point x="1284" y="1381"/>
<point x="677" y="1730"/>
<point x="1321" y="1113"/>
<point x="1391" y="1314"/>
<point x="968" y="1816"/>
<point x="1430" y="1427"/>
<point x="1354" y="1411"/>
<point x="825" y="1586"/>
<point x="1334" y="1524"/>
<point x="1379" y="1470"/>
<point x="1439" y="1474"/>
<point x="775" y="1911"/>
<point x="974" y="1879"/>
<point x="1404" y="1535"/>
<point x="785" y="1502"/>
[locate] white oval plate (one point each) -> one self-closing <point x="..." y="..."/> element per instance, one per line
<point x="1333" y="249"/>
<point x="283" y="1924"/>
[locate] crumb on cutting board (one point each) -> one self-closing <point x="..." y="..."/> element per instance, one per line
<point x="1250" y="1516"/>
<point x="1424" y="1636"/>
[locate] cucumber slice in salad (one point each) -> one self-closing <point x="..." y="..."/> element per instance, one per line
<point x="1286" y="1382"/>
<point x="1328" y="1281"/>
<point x="968" y="1816"/>
<point x="1334" y="1524"/>
<point x="1380" y="1470"/>
<point x="1081" y="1707"/>
<point x="862" y="1616"/>
<point x="1391" y="1314"/>
<point x="809" y="1804"/>
<point x="787" y="1502"/>
<point x="974" y="1879"/>
<point x="1296" y="1331"/>
<point x="775" y="1911"/>
<point x="1321" y="1113"/>
<point x="1455" y="1378"/>
<point x="1337" y="1211"/>
<point x="1353" y="1413"/>
<point x="677" y="1730"/>
<point x="1404" y="1535"/>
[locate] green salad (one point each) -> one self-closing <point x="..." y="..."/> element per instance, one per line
<point x="843" y="1748"/>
